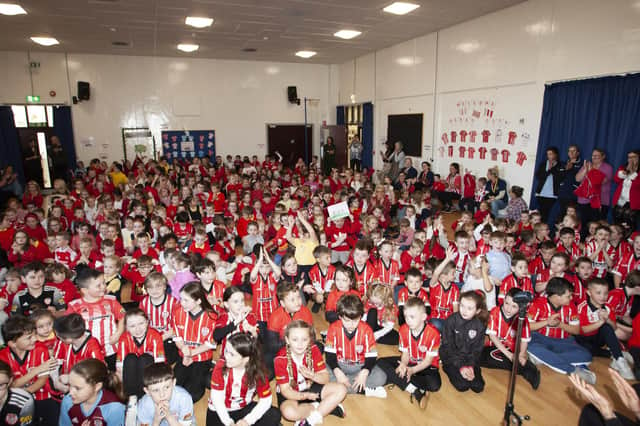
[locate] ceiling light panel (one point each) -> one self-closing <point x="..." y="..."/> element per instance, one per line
<point x="306" y="54"/>
<point x="11" y="9"/>
<point x="401" y="8"/>
<point x="347" y="34"/>
<point x="188" y="48"/>
<point x="45" y="41"/>
<point x="198" y="21"/>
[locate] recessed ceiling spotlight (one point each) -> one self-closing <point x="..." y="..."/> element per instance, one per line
<point x="112" y="29"/>
<point x="198" y="21"/>
<point x="305" y="53"/>
<point x="45" y="41"/>
<point x="347" y="34"/>
<point x="401" y="8"/>
<point x="249" y="49"/>
<point x="188" y="47"/>
<point x="11" y="9"/>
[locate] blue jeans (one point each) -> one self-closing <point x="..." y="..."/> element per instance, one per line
<point x="561" y="355"/>
<point x="497" y="205"/>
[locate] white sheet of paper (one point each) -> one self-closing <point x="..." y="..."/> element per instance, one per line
<point x="338" y="211"/>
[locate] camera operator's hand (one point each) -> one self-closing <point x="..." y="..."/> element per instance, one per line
<point x="590" y="394"/>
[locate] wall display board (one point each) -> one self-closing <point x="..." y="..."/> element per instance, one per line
<point x="136" y="142"/>
<point x="490" y="127"/>
<point x="187" y="144"/>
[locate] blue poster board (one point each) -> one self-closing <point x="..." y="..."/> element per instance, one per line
<point x="185" y="145"/>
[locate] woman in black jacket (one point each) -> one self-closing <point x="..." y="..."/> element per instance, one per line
<point x="462" y="343"/>
<point x="548" y="176"/>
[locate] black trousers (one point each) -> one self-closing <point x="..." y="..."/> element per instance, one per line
<point x="47" y="412"/>
<point x="605" y="336"/>
<point x="195" y="378"/>
<point x="132" y="371"/>
<point x="391" y="338"/>
<point x="590" y="416"/>
<point x="270" y="418"/>
<point x="171" y="353"/>
<point x="426" y="380"/>
<point x="462" y="384"/>
<point x="355" y="164"/>
<point x="545" y="204"/>
<point x="493" y="358"/>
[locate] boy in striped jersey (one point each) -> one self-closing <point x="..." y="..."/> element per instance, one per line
<point x="102" y="314"/>
<point x="159" y="306"/>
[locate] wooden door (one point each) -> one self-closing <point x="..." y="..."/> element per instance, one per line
<point x="339" y="135"/>
<point x="289" y="141"/>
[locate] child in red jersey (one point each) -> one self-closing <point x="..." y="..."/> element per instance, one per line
<point x="103" y="315"/>
<point x="558" y="267"/>
<point x="498" y="351"/>
<point x="200" y="243"/>
<point x="412" y="288"/>
<point x="205" y="270"/>
<point x="43" y="320"/>
<point x="344" y="284"/>
<point x="620" y="301"/>
<point x="263" y="278"/>
<point x="381" y="314"/>
<point x="627" y="263"/>
<point x="365" y="272"/>
<point x="138" y="347"/>
<point x="236" y="316"/>
<point x="136" y="271"/>
<point x="597" y="327"/>
<point x="13" y="283"/>
<point x="290" y="309"/>
<point x="443" y="293"/>
<point x="193" y="325"/>
<point x="74" y="345"/>
<point x="304" y="390"/>
<point x="183" y="229"/>
<point x="387" y="269"/>
<point x="416" y="370"/>
<point x="59" y="276"/>
<point x="143" y="247"/>
<point x="64" y="253"/>
<point x="543" y="259"/>
<point x="567" y="244"/>
<point x="159" y="306"/>
<point x="411" y="258"/>
<point x="461" y="256"/>
<point x="600" y="252"/>
<point x="31" y="365"/>
<point x="237" y="378"/>
<point x="584" y="271"/>
<point x="321" y="277"/>
<point x="519" y="278"/>
<point x="351" y="352"/>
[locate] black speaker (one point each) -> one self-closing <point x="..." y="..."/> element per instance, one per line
<point x="292" y="93"/>
<point x="84" y="91"/>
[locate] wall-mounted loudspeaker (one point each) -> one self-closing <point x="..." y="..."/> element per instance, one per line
<point x="84" y="91"/>
<point x="292" y="94"/>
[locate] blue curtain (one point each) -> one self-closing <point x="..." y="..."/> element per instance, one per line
<point x="340" y="121"/>
<point x="367" y="134"/>
<point x="63" y="129"/>
<point x="10" y="153"/>
<point x="599" y="112"/>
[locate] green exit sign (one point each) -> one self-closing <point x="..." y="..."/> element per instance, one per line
<point x="33" y="99"/>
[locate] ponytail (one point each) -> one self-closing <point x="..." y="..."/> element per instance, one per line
<point x="94" y="371"/>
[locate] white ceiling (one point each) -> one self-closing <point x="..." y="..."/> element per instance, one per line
<point x="276" y="28"/>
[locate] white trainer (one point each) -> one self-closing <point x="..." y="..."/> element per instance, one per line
<point x="622" y="367"/>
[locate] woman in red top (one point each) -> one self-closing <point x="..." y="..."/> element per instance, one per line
<point x="32" y="195"/>
<point x="626" y="200"/>
<point x="23" y="251"/>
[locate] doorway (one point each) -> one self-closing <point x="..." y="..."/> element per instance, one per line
<point x="35" y="157"/>
<point x="289" y="141"/>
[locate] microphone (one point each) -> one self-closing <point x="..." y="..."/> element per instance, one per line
<point x="523" y="297"/>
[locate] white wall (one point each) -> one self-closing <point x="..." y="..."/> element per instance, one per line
<point x="508" y="55"/>
<point x="235" y="98"/>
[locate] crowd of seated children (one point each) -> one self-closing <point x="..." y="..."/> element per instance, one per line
<point x="150" y="283"/>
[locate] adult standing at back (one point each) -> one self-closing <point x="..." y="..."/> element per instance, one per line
<point x="548" y="175"/>
<point x="626" y="200"/>
<point x="397" y="160"/>
<point x="587" y="212"/>
<point x="58" y="159"/>
<point x="567" y="178"/>
<point x="355" y="153"/>
<point x="496" y="191"/>
<point x="328" y="156"/>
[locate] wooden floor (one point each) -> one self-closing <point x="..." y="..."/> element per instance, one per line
<point x="554" y="403"/>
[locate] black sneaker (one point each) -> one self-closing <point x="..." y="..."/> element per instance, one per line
<point x="535" y="381"/>
<point x="420" y="397"/>
<point x="339" y="412"/>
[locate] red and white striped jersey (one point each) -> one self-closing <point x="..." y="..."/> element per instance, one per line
<point x="573" y="252"/>
<point x="20" y="367"/>
<point x="426" y="344"/>
<point x="588" y="314"/>
<point x="579" y="291"/>
<point x="322" y="282"/>
<point x="364" y="276"/>
<point x="512" y="281"/>
<point x="151" y="344"/>
<point x="362" y="345"/>
<point x="70" y="356"/>
<point x="264" y="300"/>
<point x="404" y="295"/>
<point x="195" y="330"/>
<point x="462" y="261"/>
<point x="101" y="318"/>
<point x="627" y="263"/>
<point x="300" y="383"/>
<point x="159" y="315"/>
<point x="600" y="266"/>
<point x="505" y="328"/>
<point x="541" y="309"/>
<point x="65" y="255"/>
<point x="442" y="300"/>
<point x="619" y="251"/>
<point x="334" y="296"/>
<point x="215" y="293"/>
<point x="388" y="273"/>
<point x="237" y="393"/>
<point x="619" y="302"/>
